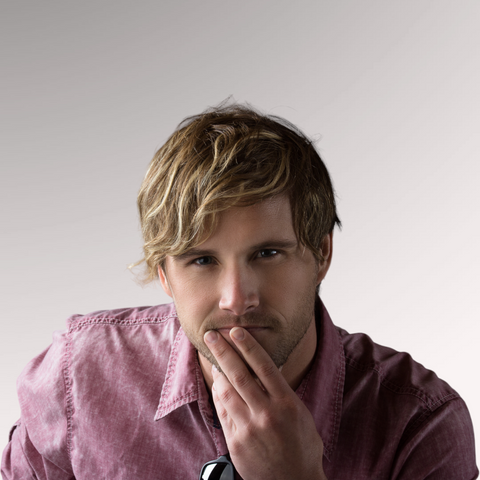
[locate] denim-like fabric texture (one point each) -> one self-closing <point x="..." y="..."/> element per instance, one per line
<point x="120" y="396"/>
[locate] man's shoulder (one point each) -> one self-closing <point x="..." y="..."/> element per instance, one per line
<point x="106" y="365"/>
<point x="100" y="339"/>
<point x="395" y="405"/>
<point x="393" y="371"/>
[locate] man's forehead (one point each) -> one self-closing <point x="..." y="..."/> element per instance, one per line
<point x="266" y="224"/>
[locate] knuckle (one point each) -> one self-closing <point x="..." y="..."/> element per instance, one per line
<point x="268" y="420"/>
<point x="237" y="447"/>
<point x="222" y="414"/>
<point x="225" y="395"/>
<point x="290" y="406"/>
<point x="267" y="370"/>
<point x="240" y="378"/>
<point x="283" y="411"/>
<point x="250" y="430"/>
<point x="220" y="352"/>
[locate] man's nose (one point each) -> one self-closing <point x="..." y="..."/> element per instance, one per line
<point x="239" y="290"/>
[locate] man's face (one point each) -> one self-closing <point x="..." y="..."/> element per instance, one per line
<point x="251" y="272"/>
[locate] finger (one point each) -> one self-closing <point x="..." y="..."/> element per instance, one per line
<point x="260" y="362"/>
<point x="226" y="420"/>
<point x="236" y="371"/>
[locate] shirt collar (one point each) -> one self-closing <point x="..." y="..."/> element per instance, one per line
<point x="184" y="381"/>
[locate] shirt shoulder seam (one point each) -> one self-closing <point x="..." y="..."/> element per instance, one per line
<point x="431" y="402"/>
<point x="77" y="323"/>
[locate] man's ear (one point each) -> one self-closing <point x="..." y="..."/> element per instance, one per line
<point x="164" y="281"/>
<point x="327" y="252"/>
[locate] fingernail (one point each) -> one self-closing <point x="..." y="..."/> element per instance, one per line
<point x="214" y="369"/>
<point x="238" y="333"/>
<point x="211" y="336"/>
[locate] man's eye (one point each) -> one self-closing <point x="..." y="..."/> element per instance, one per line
<point x="203" y="261"/>
<point x="268" y="252"/>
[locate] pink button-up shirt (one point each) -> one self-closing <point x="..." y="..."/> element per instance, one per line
<point x="120" y="396"/>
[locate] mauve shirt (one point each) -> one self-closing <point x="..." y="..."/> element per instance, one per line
<point x="120" y="396"/>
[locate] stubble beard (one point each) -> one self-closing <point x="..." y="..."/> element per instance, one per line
<point x="288" y="335"/>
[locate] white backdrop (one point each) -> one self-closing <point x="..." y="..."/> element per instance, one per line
<point x="89" y="90"/>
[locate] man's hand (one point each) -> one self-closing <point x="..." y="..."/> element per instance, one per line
<point x="269" y="432"/>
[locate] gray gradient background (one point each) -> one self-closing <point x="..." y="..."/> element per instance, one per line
<point x="389" y="89"/>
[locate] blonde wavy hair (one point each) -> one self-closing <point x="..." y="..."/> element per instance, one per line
<point x="230" y="155"/>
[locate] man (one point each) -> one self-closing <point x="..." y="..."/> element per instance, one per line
<point x="244" y="376"/>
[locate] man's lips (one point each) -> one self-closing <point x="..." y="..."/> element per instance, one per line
<point x="253" y="330"/>
<point x="248" y="328"/>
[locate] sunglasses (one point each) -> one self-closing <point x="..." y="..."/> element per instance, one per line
<point x="220" y="469"/>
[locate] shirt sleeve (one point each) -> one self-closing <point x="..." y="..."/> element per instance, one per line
<point x="443" y="447"/>
<point x="38" y="445"/>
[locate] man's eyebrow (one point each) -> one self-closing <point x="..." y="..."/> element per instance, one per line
<point x="275" y="243"/>
<point x="194" y="252"/>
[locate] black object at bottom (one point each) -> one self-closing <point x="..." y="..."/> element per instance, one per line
<point x="220" y="469"/>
